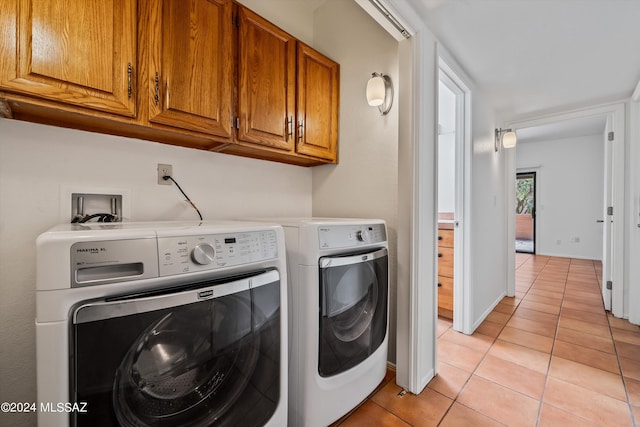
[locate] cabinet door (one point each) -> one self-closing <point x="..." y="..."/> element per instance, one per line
<point x="191" y="65"/>
<point x="266" y="82"/>
<point x="318" y="92"/>
<point x="73" y="51"/>
<point x="445" y="296"/>
<point x="445" y="261"/>
<point x="445" y="238"/>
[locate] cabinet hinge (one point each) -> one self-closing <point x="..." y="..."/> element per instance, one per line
<point x="129" y="79"/>
<point x="610" y="136"/>
<point x="156" y="96"/>
<point x="610" y="210"/>
<point x="609" y="284"/>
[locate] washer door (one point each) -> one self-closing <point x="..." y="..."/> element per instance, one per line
<point x="178" y="359"/>
<point x="353" y="309"/>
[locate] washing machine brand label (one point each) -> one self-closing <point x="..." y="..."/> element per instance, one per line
<point x="205" y="294"/>
<point x="91" y="250"/>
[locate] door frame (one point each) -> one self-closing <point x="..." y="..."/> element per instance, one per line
<point x="534" y="215"/>
<point x="462" y="248"/>
<point x="615" y="167"/>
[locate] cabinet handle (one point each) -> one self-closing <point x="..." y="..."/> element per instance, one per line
<point x="439" y="237"/>
<point x="289" y="124"/>
<point x="439" y="284"/>
<point x="439" y="255"/>
<point x="166" y="95"/>
<point x="129" y="78"/>
<point x="300" y="129"/>
<point x="157" y="95"/>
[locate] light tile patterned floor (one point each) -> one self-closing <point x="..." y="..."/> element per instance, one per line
<point x="551" y="356"/>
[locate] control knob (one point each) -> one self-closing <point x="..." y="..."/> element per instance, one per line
<point x="362" y="235"/>
<point x="203" y="254"/>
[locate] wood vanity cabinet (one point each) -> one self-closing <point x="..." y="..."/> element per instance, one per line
<point x="445" y="273"/>
<point x="84" y="56"/>
<point x="287" y="96"/>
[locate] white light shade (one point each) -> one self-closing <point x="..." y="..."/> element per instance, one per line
<point x="375" y="91"/>
<point x="509" y="139"/>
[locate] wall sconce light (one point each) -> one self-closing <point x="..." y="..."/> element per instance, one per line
<point x="380" y="92"/>
<point x="505" y="138"/>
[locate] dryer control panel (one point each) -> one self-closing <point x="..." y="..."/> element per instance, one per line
<point x="186" y="254"/>
<point x="352" y="235"/>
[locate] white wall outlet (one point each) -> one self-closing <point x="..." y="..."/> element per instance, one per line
<point x="164" y="170"/>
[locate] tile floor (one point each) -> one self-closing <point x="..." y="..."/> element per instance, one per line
<point x="551" y="356"/>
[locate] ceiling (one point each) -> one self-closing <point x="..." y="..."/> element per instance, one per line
<point x="534" y="56"/>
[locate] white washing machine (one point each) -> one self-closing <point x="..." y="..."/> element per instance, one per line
<point x="338" y="307"/>
<point x="163" y="324"/>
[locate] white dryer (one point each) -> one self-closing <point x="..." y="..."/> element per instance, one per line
<point x="338" y="307"/>
<point x="172" y="324"/>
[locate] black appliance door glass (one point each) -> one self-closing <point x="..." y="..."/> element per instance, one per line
<point x="353" y="309"/>
<point x="191" y="362"/>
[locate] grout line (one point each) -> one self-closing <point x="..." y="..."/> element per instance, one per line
<point x="624" y="381"/>
<point x="553" y="345"/>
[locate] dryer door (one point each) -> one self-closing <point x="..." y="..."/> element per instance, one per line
<point x="353" y="309"/>
<point x="206" y="355"/>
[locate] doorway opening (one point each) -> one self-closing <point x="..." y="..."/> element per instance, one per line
<point x="599" y="235"/>
<point x="453" y="164"/>
<point x="446" y="194"/>
<point x="526" y="212"/>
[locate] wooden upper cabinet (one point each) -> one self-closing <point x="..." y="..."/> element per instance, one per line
<point x="266" y="82"/>
<point x="318" y="98"/>
<point x="208" y="74"/>
<point x="72" y="51"/>
<point x="191" y="65"/>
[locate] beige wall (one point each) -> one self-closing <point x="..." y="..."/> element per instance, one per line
<point x="293" y="16"/>
<point x="365" y="182"/>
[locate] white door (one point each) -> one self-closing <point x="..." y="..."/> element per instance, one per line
<point x="613" y="230"/>
<point x="607" y="222"/>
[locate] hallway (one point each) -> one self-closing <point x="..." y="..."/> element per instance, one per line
<point x="551" y="356"/>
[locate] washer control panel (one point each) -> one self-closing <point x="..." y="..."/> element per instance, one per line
<point x="186" y="254"/>
<point x="343" y="236"/>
